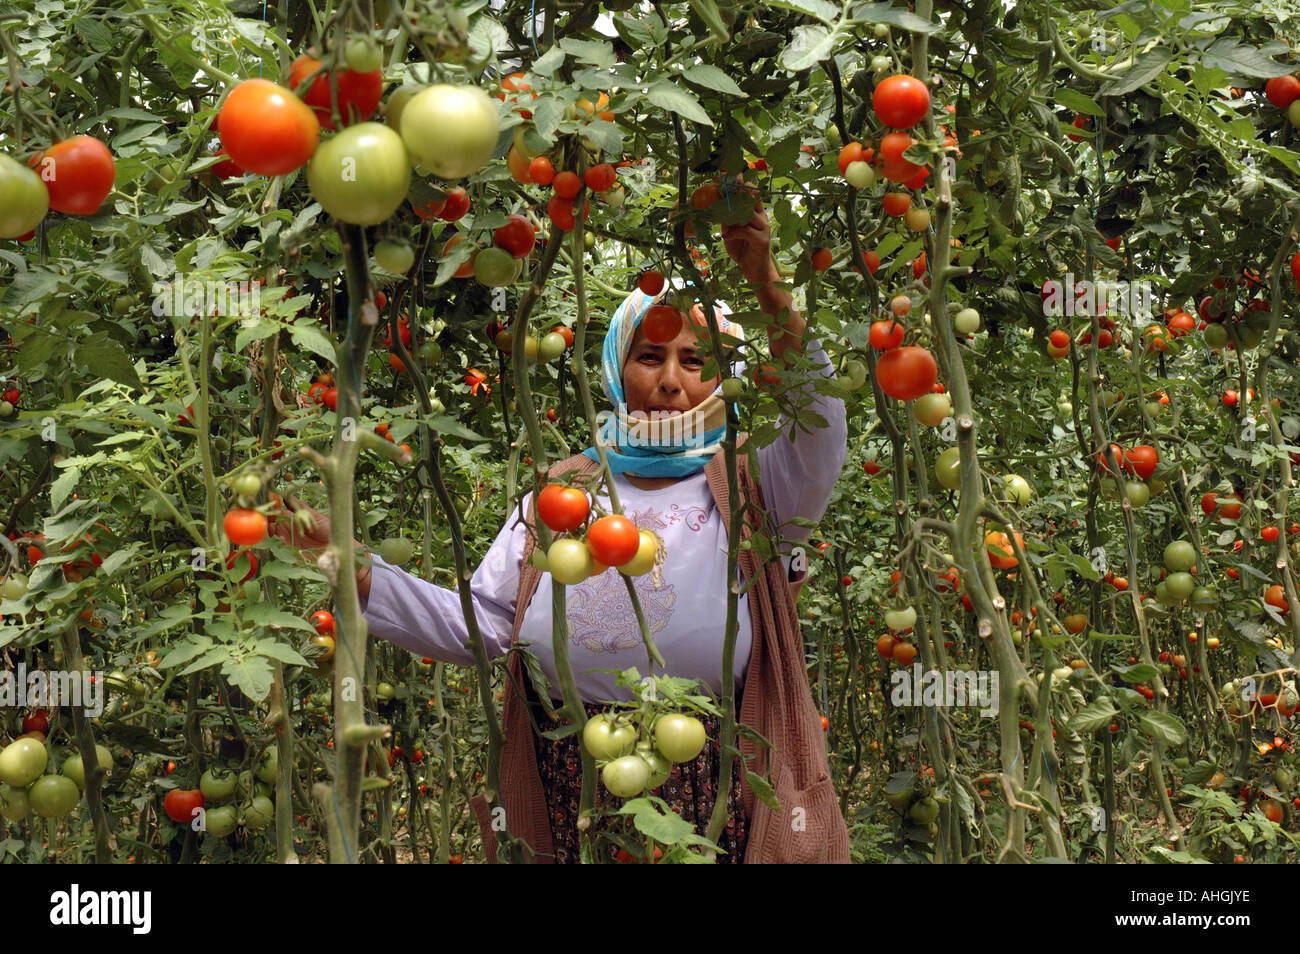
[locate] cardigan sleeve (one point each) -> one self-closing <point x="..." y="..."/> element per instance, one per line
<point x="799" y="469"/>
<point x="427" y="620"/>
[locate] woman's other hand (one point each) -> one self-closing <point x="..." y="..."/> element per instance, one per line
<point x="750" y="245"/>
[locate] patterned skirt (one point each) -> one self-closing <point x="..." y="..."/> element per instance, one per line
<point x="691" y="791"/>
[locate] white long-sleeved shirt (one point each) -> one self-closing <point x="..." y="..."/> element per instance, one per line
<point x="686" y="613"/>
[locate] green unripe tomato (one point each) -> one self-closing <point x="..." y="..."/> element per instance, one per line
<point x="53" y="796"/>
<point x="860" y="175"/>
<point x="1293" y="113"/>
<point x="14" y="805"/>
<point x="1018" y="489"/>
<point x="396" y="550"/>
<point x="1180" y="556"/>
<point x="495" y="267"/>
<point x="220" y="821"/>
<point x="363" y="54"/>
<point x="924" y="811"/>
<point x="947" y="468"/>
<point x="626" y="777"/>
<point x="678" y="737"/>
<point x="247" y="485"/>
<point x="833" y="138"/>
<point x="604" y="739"/>
<point x="882" y="31"/>
<point x="1138" y="493"/>
<point x="660" y="767"/>
<point x="385" y="692"/>
<point x="74" y="769"/>
<point x="855" y="374"/>
<point x="15" y="586"/>
<point x="1180" y="585"/>
<point x="732" y="388"/>
<point x="268" y="765"/>
<point x="258" y="813"/>
<point x="22" y="762"/>
<point x="966" y="321"/>
<point x="395" y="257"/>
<point x="218" y="784"/>
<point x="432" y="352"/>
<point x="122" y="305"/>
<point x="552" y="346"/>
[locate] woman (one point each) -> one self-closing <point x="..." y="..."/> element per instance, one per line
<point x="674" y="491"/>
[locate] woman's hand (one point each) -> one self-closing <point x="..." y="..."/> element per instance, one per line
<point x="750" y="245"/>
<point x="307" y="529"/>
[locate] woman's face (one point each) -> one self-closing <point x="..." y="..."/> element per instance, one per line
<point x="666" y="377"/>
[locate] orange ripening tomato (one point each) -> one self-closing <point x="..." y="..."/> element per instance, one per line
<point x="267" y="130"/>
<point x="562" y="509"/>
<point x="245" y="528"/>
<point x="1001" y="553"/>
<point x="613" y="540"/>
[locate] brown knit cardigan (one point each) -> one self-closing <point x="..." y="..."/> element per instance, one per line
<point x="777" y="703"/>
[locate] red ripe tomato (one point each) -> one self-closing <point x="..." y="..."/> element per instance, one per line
<point x="613" y="540"/>
<point x="901" y="101"/>
<point x="662" y="323"/>
<point x="1230" y="511"/>
<point x="1269" y="534"/>
<point x="38" y="720"/>
<point x="560" y="211"/>
<point x="1275" y="596"/>
<point x="562" y="508"/>
<point x="871" y="260"/>
<point x="245" y="528"/>
<point x="896" y="203"/>
<point x="227" y="168"/>
<point x="906" y="373"/>
<point x="1060" y="339"/>
<point x="821" y="259"/>
<point x="893" y="166"/>
<point x="1181" y="324"/>
<point x="1230" y="398"/>
<point x="1142" y="460"/>
<point x="331" y="398"/>
<point x="1106" y="459"/>
<point x="567" y="185"/>
<point x="13" y="395"/>
<point x="516" y="236"/>
<point x="852" y="152"/>
<point x="886" y="335"/>
<point x="456" y="205"/>
<point x="826" y="724"/>
<point x="430" y="209"/>
<point x="870" y="468"/>
<point x="600" y="177"/>
<point x="323" y="622"/>
<point x="78" y="174"/>
<point x="1079" y="123"/>
<point x="651" y="282"/>
<point x="1282" y="91"/>
<point x="541" y="171"/>
<point x="1295" y="266"/>
<point x="358" y="93"/>
<point x="1209" y="503"/>
<point x="180" y="804"/>
<point x="266" y="129"/>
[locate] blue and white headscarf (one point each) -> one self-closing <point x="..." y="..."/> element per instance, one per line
<point x="674" y="447"/>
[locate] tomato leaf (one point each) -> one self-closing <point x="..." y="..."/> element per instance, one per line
<point x="1165" y="727"/>
<point x="1138" y="672"/>
<point x="710" y="77"/>
<point x="1080" y="103"/>
<point x="600" y="55"/>
<point x="762" y="790"/>
<point x="818" y="9"/>
<point x="251" y="675"/>
<point x="1093" y="716"/>
<point x="810" y="44"/>
<point x="1241" y="60"/>
<point x="894" y="16"/>
<point x="665" y="94"/>
<point x="1146" y="68"/>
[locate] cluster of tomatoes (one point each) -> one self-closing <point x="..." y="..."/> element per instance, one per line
<point x="612" y="540"/>
<point x="25" y="786"/>
<point x="904" y="372"/>
<point x="73" y="176"/>
<point x="1140" y="463"/>
<point x="900" y="102"/>
<point x="636" y="759"/>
